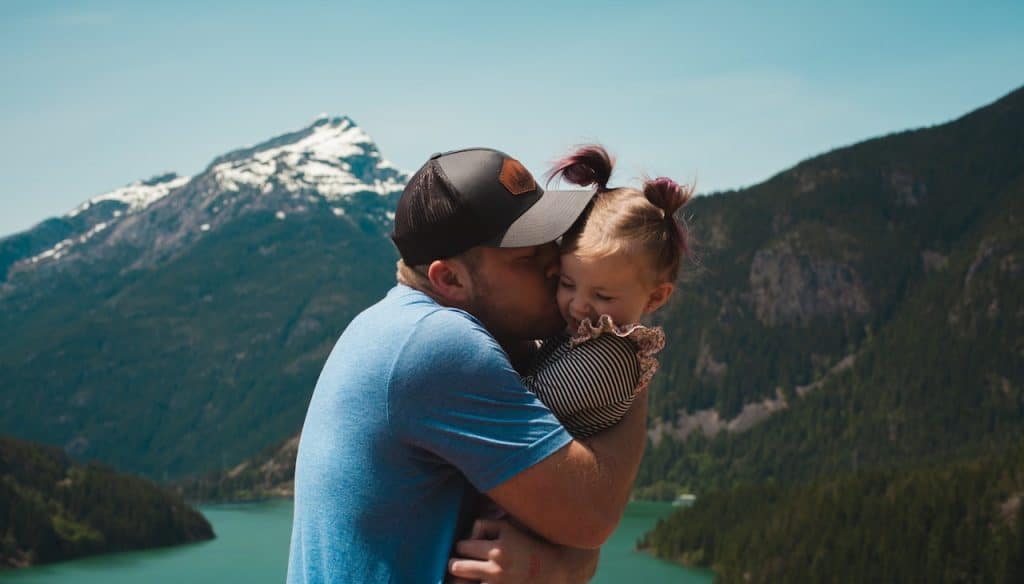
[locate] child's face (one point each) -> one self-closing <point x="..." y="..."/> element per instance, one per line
<point x="616" y="285"/>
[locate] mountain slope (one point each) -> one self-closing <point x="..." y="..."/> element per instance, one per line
<point x="796" y="268"/>
<point x="190" y="332"/>
<point x="935" y="367"/>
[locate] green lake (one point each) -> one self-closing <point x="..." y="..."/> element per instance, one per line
<point x="252" y="547"/>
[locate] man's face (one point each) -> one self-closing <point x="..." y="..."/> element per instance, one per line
<point x="514" y="292"/>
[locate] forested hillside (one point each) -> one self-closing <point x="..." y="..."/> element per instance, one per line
<point x="961" y="522"/>
<point x="52" y="508"/>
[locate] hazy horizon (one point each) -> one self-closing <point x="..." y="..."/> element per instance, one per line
<point x="105" y="93"/>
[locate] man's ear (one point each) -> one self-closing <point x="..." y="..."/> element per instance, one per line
<point x="659" y="296"/>
<point x="450" y="279"/>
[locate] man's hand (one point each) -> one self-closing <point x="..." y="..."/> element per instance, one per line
<point x="497" y="552"/>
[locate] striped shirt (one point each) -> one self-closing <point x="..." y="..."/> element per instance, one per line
<point x="589" y="387"/>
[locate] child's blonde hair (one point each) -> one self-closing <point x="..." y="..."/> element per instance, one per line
<point x="626" y="219"/>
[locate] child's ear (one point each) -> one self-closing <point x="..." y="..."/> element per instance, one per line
<point x="659" y="296"/>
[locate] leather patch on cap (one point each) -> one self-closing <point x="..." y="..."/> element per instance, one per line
<point x="515" y="178"/>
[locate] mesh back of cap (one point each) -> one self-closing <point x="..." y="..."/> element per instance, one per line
<point x="429" y="219"/>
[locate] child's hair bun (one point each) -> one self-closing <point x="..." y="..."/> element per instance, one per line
<point x="670" y="196"/>
<point x="588" y="165"/>
<point x="667" y="194"/>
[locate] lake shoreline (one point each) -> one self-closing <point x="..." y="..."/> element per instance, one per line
<point x="252" y="546"/>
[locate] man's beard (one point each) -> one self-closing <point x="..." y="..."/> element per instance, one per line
<point x="506" y="326"/>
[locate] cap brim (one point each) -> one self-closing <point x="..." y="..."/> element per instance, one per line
<point x="547" y="219"/>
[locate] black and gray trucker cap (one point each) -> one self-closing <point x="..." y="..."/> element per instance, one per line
<point x="478" y="196"/>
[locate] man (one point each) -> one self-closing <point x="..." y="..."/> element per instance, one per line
<point x="418" y="406"/>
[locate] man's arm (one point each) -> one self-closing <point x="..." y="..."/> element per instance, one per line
<point x="499" y="553"/>
<point x="576" y="496"/>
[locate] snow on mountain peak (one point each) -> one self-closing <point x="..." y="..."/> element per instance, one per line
<point x="138" y="195"/>
<point x="333" y="157"/>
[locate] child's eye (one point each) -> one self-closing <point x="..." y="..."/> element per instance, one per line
<point x="565" y="284"/>
<point x="604" y="298"/>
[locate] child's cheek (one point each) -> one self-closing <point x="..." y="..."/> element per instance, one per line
<point x="562" y="297"/>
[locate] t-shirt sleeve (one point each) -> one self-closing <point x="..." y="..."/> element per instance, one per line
<point x="454" y="394"/>
<point x="589" y="387"/>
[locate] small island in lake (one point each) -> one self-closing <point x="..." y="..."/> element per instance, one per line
<point x="53" y="509"/>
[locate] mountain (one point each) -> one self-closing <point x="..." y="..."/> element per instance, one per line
<point x="325" y="165"/>
<point x="857" y="397"/>
<point x="52" y="509"/>
<point x="178" y="324"/>
<point x="860" y="310"/>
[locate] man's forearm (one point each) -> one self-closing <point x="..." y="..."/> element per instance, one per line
<point x="576" y="565"/>
<point x="576" y="496"/>
<point x="617" y="453"/>
<point x="561" y="564"/>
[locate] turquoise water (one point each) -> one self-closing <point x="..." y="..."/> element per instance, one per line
<point x="252" y="546"/>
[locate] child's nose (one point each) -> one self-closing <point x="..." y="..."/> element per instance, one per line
<point x="578" y="307"/>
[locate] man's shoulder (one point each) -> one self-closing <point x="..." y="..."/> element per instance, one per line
<point x="452" y="334"/>
<point x="443" y="342"/>
<point x="429" y="321"/>
<point x="409" y="308"/>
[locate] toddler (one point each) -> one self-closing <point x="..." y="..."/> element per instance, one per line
<point x="619" y="263"/>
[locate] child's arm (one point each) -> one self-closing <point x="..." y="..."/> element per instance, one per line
<point x="589" y="387"/>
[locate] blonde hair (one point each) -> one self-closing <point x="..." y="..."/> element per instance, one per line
<point x="413" y="276"/>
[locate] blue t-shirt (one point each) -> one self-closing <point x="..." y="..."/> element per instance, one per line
<point x="417" y="406"/>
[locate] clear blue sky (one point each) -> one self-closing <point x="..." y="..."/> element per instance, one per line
<point x="95" y="95"/>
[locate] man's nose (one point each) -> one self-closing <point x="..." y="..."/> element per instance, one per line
<point x="552" y="270"/>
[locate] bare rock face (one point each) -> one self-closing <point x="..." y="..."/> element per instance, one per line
<point x="933" y="261"/>
<point x="708" y="369"/>
<point x="1009" y="509"/>
<point x="710" y="422"/>
<point x="809" y="178"/>
<point x="910" y="191"/>
<point x="790" y="285"/>
<point x="995" y="261"/>
<point x="269" y="474"/>
<point x="718" y="236"/>
<point x="845" y="363"/>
